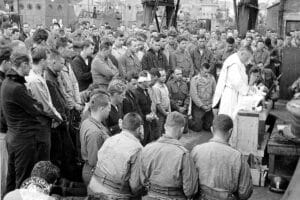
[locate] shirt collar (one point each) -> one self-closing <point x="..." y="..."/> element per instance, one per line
<point x="12" y="74"/>
<point x="169" y="140"/>
<point x="98" y="124"/>
<point x="130" y="135"/>
<point x="218" y="140"/>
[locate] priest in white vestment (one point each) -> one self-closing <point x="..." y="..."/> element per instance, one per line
<point x="233" y="84"/>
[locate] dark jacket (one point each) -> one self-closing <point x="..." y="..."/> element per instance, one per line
<point x="150" y="60"/>
<point x="3" y="125"/>
<point x="143" y="101"/>
<point x="112" y="122"/>
<point x="82" y="72"/>
<point x="129" y="103"/>
<point x="20" y="110"/>
<point x="96" y="40"/>
<point x="56" y="94"/>
<point x="199" y="60"/>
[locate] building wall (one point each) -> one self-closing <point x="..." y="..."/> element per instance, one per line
<point x="272" y="17"/>
<point x="37" y="12"/>
<point x="59" y="9"/>
<point x="291" y="13"/>
<point x="32" y="11"/>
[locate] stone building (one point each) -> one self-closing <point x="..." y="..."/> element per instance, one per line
<point x="42" y="12"/>
<point x="291" y="16"/>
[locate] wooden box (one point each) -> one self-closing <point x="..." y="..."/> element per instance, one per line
<point x="249" y="135"/>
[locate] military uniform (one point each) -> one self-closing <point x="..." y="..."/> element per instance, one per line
<point x="116" y="175"/>
<point x="202" y="89"/>
<point x="163" y="179"/>
<point x="201" y="56"/>
<point x="179" y="93"/>
<point x="183" y="61"/>
<point x="223" y="173"/>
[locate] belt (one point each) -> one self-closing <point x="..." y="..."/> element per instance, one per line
<point x="208" y="193"/>
<point x="114" y="185"/>
<point x="171" y="192"/>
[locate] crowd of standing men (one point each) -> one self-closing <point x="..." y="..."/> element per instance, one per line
<point x="108" y="107"/>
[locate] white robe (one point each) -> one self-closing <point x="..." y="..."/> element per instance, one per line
<point x="231" y="86"/>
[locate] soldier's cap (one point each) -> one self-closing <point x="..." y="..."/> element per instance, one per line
<point x="175" y="119"/>
<point x="116" y="86"/>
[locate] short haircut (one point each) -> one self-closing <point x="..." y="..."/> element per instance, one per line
<point x="100" y="99"/>
<point x="87" y="43"/>
<point x="230" y="40"/>
<point x="55" y="55"/>
<point x="205" y="65"/>
<point x="6" y="25"/>
<point x="40" y="35"/>
<point x="131" y="76"/>
<point x="182" y="38"/>
<point x="61" y="42"/>
<point x="223" y="123"/>
<point x="162" y="35"/>
<point x="17" y="58"/>
<point x="155" y="38"/>
<point x="132" y="121"/>
<point x="175" y="119"/>
<point x="38" y="54"/>
<point x="14" y="30"/>
<point x="5" y="53"/>
<point x="155" y="72"/>
<point x="130" y="41"/>
<point x="144" y="73"/>
<point x="201" y="36"/>
<point x="268" y="42"/>
<point x="46" y="170"/>
<point x="260" y="40"/>
<point x="105" y="45"/>
<point x="249" y="37"/>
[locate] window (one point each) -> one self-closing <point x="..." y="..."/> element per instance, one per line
<point x="50" y="6"/>
<point x="29" y="6"/>
<point x="38" y="6"/>
<point x="129" y="7"/>
<point x="21" y="6"/>
<point x="59" y="7"/>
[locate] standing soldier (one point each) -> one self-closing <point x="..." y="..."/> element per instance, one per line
<point x="202" y="90"/>
<point x="201" y="55"/>
<point x="181" y="59"/>
<point x="164" y="180"/>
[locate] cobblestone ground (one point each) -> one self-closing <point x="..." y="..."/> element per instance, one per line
<point x="260" y="193"/>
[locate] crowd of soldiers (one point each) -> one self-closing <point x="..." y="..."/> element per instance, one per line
<point x="108" y="108"/>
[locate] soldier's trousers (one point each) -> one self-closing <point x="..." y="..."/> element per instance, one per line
<point x="201" y="120"/>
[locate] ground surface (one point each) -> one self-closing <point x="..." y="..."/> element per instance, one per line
<point x="259" y="193"/>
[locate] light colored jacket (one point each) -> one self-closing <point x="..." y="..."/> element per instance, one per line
<point x="223" y="169"/>
<point x="37" y="86"/>
<point x="69" y="85"/>
<point x="167" y="164"/>
<point x="119" y="162"/>
<point x="103" y="71"/>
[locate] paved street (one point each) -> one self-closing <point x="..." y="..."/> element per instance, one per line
<point x="259" y="193"/>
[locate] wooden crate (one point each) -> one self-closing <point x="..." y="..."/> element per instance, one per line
<point x="249" y="135"/>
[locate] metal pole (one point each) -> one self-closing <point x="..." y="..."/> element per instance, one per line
<point x="236" y="14"/>
<point x="280" y="17"/>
